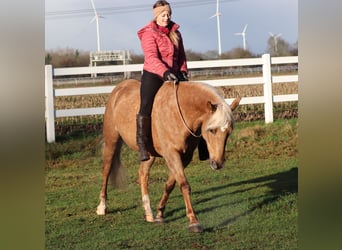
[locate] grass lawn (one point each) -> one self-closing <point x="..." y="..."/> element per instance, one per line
<point x="249" y="204"/>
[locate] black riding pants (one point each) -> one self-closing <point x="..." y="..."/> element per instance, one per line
<point x="150" y="84"/>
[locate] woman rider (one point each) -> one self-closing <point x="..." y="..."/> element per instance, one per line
<point x="164" y="60"/>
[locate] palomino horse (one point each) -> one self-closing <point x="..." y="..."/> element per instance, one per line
<point x="182" y="114"/>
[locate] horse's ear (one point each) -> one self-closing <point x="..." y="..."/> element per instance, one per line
<point x="235" y="103"/>
<point x="212" y="107"/>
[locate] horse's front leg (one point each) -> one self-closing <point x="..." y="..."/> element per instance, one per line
<point x="169" y="186"/>
<point x="194" y="225"/>
<point x="143" y="179"/>
<point x="177" y="169"/>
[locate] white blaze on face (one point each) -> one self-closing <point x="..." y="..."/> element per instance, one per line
<point x="223" y="128"/>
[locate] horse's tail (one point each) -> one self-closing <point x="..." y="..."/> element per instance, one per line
<point x="118" y="173"/>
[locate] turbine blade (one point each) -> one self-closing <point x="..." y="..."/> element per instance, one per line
<point x="244" y="30"/>
<point x="212" y="16"/>
<point x="92" y="4"/>
<point x="93" y="19"/>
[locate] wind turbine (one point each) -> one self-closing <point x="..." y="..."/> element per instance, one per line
<point x="275" y="38"/>
<point x="96" y="18"/>
<point x="218" y="14"/>
<point x="243" y="34"/>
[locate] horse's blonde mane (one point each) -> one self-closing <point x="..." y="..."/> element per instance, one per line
<point x="223" y="116"/>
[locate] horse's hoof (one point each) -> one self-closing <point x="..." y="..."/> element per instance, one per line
<point x="159" y="221"/>
<point x="196" y="228"/>
<point x="101" y="210"/>
<point x="149" y="218"/>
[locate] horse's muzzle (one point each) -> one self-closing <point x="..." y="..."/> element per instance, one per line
<point x="215" y="165"/>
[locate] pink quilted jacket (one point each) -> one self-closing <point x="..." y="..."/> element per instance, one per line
<point x="159" y="52"/>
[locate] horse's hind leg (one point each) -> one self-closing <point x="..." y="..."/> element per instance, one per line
<point x="169" y="186"/>
<point x="143" y="179"/>
<point x="108" y="155"/>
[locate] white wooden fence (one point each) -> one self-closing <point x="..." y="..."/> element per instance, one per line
<point x="266" y="79"/>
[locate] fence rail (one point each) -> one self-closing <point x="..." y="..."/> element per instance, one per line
<point x="266" y="80"/>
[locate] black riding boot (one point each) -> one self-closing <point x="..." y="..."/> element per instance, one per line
<point x="143" y="131"/>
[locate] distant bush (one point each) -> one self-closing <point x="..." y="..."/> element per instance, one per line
<point x="67" y="58"/>
<point x="75" y="58"/>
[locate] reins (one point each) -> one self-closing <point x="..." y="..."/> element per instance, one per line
<point x="180" y="112"/>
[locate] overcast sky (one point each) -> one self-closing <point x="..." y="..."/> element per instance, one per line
<point x="68" y="23"/>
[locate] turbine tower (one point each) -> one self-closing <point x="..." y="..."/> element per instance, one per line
<point x="96" y="18"/>
<point x="243" y="34"/>
<point x="275" y="38"/>
<point x="218" y="14"/>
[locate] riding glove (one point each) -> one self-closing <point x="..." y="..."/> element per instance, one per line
<point x="183" y="76"/>
<point x="168" y="76"/>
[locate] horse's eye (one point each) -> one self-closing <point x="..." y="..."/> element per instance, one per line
<point x="213" y="131"/>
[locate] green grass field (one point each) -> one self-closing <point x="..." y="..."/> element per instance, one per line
<point x="249" y="204"/>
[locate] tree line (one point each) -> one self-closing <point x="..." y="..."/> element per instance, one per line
<point x="69" y="57"/>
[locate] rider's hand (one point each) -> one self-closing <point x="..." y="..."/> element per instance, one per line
<point x="168" y="76"/>
<point x="184" y="76"/>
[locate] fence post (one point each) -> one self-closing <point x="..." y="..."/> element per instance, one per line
<point x="267" y="75"/>
<point x="49" y="108"/>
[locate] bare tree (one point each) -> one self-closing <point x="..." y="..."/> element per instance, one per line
<point x="67" y="58"/>
<point x="279" y="47"/>
<point x="237" y="53"/>
<point x="193" y="56"/>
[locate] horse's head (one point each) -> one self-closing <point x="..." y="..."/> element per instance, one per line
<point x="216" y="130"/>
